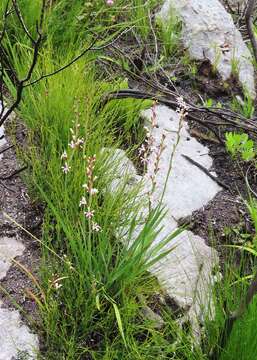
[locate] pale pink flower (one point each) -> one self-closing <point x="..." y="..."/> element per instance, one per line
<point x="89" y="213"/>
<point x="181" y="103"/>
<point x="57" y="285"/>
<point x="83" y="201"/>
<point x="72" y="144"/>
<point x="110" y="2"/>
<point x="79" y="142"/>
<point x="93" y="191"/>
<point x="76" y="143"/>
<point x="144" y="160"/>
<point x="142" y="149"/>
<point x="149" y="140"/>
<point x="64" y="155"/>
<point x="154" y="116"/>
<point x="96" y="227"/>
<point x="154" y="149"/>
<point x="66" y="168"/>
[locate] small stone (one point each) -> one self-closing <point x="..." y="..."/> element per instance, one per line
<point x="15" y="339"/>
<point x="149" y="314"/>
<point x="9" y="249"/>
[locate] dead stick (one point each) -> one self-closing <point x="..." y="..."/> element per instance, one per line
<point x="138" y="94"/>
<point x="249" y="25"/>
<point x="6" y="149"/>
<point x="207" y="172"/>
<point x="16" y="172"/>
<point x="6" y="187"/>
<point x="229" y="117"/>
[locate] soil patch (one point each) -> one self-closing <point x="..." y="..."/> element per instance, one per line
<point x="15" y="201"/>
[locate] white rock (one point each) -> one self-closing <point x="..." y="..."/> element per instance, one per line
<point x="15" y="338"/>
<point x="209" y="32"/>
<point x="186" y="272"/>
<point x="186" y="275"/>
<point x="124" y="166"/>
<point x="188" y="188"/>
<point x="9" y="249"/>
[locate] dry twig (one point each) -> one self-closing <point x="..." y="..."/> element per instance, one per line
<point x="250" y="27"/>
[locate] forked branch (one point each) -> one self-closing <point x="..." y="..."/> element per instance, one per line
<point x="6" y="66"/>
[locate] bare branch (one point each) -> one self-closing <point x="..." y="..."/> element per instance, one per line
<point x="63" y="67"/>
<point x="74" y="60"/>
<point x="21" y="20"/>
<point x="227" y="4"/>
<point x="250" y="27"/>
<point x="26" y="81"/>
<point x="206" y="172"/>
<point x="16" y="172"/>
<point x="6" y="187"/>
<point x="6" y="149"/>
<point x="228" y="117"/>
<point x="42" y="14"/>
<point x="6" y="13"/>
<point x="20" y="83"/>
